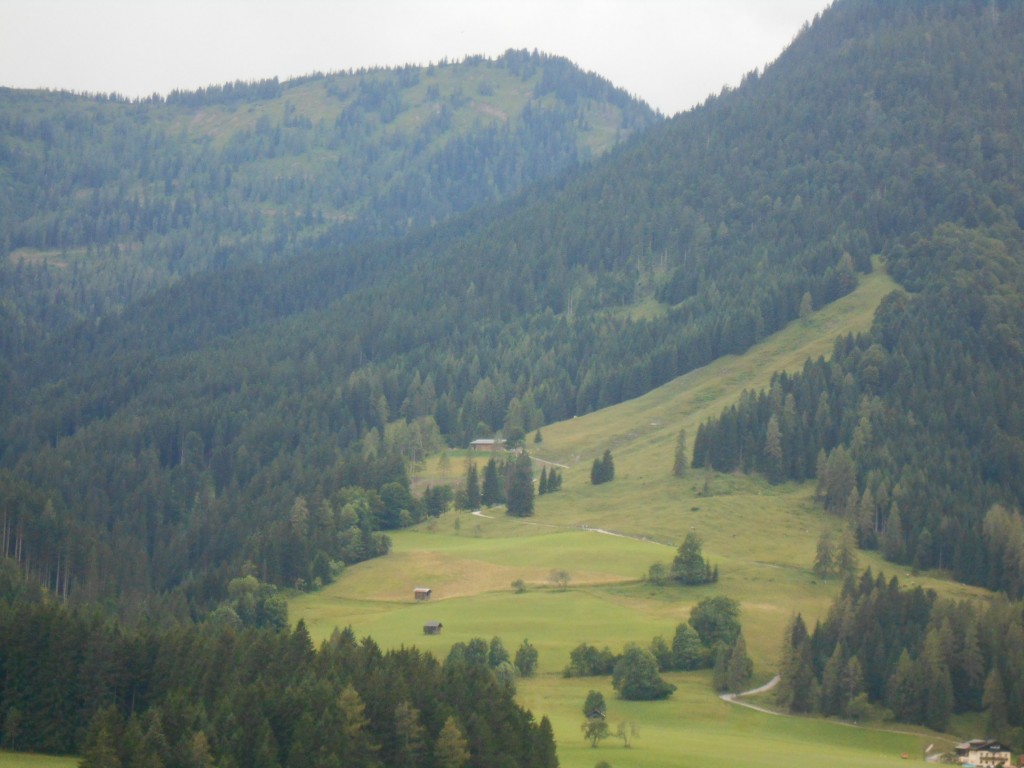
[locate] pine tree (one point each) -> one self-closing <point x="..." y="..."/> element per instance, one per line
<point x="969" y="669"/>
<point x="795" y="691"/>
<point x="739" y="667"/>
<point x="607" y="467"/>
<point x="689" y="566"/>
<point x="554" y="481"/>
<point x="491" y="492"/>
<point x="472" y="486"/>
<point x="853" y="682"/>
<point x="994" y="701"/>
<point x="520" y="487"/>
<point x="680" y="464"/>
<point x="720" y="670"/>
<point x="832" y="683"/>
<point x="892" y="536"/>
<point x="939" y="696"/>
<point x="846" y="558"/>
<point x="451" y="750"/>
<point x="773" y="450"/>
<point x="824" y="563"/>
<point x="904" y="692"/>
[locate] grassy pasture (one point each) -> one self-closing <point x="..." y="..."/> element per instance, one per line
<point x="693" y="728"/>
<point x="762" y="538"/>
<point x="27" y="760"/>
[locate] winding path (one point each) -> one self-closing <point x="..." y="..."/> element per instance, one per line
<point x="734" y="698"/>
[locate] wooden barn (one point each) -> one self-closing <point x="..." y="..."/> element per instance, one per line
<point x="432" y="628"/>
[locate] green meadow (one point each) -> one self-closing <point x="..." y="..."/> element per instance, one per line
<point x="762" y="538"/>
<point x="25" y="760"/>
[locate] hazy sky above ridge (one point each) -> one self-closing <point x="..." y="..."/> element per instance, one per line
<point x="671" y="53"/>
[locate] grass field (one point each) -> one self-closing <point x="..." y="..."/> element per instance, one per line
<point x="761" y="537"/>
<point x="25" y="760"/>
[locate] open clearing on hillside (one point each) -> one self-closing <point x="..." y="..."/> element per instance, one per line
<point x="762" y="538"/>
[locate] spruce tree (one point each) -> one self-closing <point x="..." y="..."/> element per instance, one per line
<point x="520" y="487"/>
<point x="824" y="562"/>
<point x="689" y="566"/>
<point x="680" y="463"/>
<point x="472" y="487"/>
<point x="994" y="701"/>
<point x="491" y="492"/>
<point x="607" y="467"/>
<point x="739" y="667"/>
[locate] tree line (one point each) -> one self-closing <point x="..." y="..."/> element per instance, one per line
<point x="887" y="651"/>
<point x="204" y="695"/>
<point x="712" y="638"/>
<point x="913" y="430"/>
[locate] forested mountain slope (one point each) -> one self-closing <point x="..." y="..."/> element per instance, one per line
<point x="224" y="419"/>
<point x="915" y="430"/>
<point x="103" y="200"/>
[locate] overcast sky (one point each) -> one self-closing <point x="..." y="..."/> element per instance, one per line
<point x="671" y="53"/>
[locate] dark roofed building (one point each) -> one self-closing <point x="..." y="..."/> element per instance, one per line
<point x="432" y="628"/>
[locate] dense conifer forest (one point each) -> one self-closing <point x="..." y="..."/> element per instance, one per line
<point x="204" y="695"/>
<point x="252" y="387"/>
<point x="232" y="320"/>
<point x="922" y="658"/>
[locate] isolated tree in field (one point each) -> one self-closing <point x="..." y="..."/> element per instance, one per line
<point x="680" y="464"/>
<point x="526" y="659"/>
<point x="627" y="730"/>
<point x="542" y="485"/>
<point x="560" y="577"/>
<point x="636" y="677"/>
<point x="603" y="469"/>
<point x="520" y="487"/>
<point x="594" y="730"/>
<point x="689" y="566"/>
<point x="594" y="704"/>
<point x="716" y="620"/>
